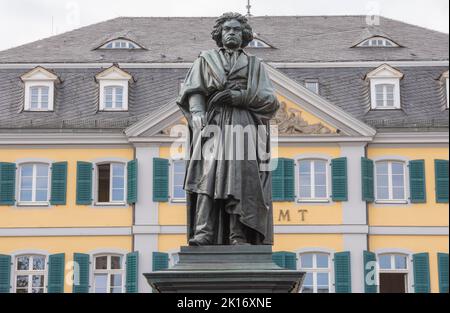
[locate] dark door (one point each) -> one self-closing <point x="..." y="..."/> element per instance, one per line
<point x="392" y="283"/>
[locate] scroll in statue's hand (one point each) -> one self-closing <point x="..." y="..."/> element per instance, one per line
<point x="228" y="97"/>
<point x="198" y="120"/>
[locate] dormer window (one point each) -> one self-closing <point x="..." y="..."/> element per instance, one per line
<point x="113" y="84"/>
<point x="123" y="44"/>
<point x="39" y="90"/>
<point x="256" y="43"/>
<point x="444" y="80"/>
<point x="385" y="88"/>
<point x="378" y="42"/>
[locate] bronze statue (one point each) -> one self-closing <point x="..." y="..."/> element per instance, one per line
<point x="229" y="200"/>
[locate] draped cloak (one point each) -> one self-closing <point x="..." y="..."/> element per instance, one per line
<point x="247" y="188"/>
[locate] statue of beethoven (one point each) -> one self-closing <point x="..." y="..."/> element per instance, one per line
<point x="229" y="200"/>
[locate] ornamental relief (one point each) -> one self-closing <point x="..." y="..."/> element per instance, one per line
<point x="289" y="121"/>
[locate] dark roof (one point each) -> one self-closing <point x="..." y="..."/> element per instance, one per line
<point x="180" y="39"/>
<point x="76" y="103"/>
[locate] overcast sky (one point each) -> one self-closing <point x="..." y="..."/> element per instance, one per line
<point x="23" y="21"/>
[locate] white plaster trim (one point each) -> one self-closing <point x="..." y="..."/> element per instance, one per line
<point x="411" y="137"/>
<point x="409" y="230"/>
<point x="62" y="139"/>
<point x="187" y="65"/>
<point x="65" y="231"/>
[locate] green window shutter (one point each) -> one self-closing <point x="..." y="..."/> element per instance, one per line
<point x="59" y="183"/>
<point x="81" y="273"/>
<point x="289" y="180"/>
<point x="5" y="273"/>
<point x="132" y="275"/>
<point x="160" y="180"/>
<point x="367" y="180"/>
<point x="283" y="181"/>
<point x="285" y="259"/>
<point x="7" y="183"/>
<point x="441" y="177"/>
<point x="339" y="179"/>
<point x="278" y="181"/>
<point x="84" y="183"/>
<point x="132" y="170"/>
<point x="56" y="266"/>
<point x="421" y="262"/>
<point x="370" y="259"/>
<point x="342" y="272"/>
<point x="160" y="261"/>
<point x="417" y="181"/>
<point x="443" y="272"/>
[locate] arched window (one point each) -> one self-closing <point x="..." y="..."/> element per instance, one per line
<point x="318" y="272"/>
<point x="378" y="42"/>
<point x="109" y="273"/>
<point x="257" y="43"/>
<point x="123" y="44"/>
<point x="30" y="273"/>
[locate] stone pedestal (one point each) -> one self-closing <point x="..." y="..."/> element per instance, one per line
<point x="226" y="269"/>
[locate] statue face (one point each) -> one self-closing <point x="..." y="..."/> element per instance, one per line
<point x="232" y="34"/>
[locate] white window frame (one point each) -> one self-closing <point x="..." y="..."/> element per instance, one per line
<point x="172" y="180"/>
<point x="328" y="180"/>
<point x="316" y="270"/>
<point x="385" y="81"/>
<point x="29" y="272"/>
<point x="19" y="183"/>
<point x="390" y="189"/>
<point x="407" y="271"/>
<point x="315" y="82"/>
<point x="109" y="271"/>
<point x="386" y="43"/>
<point x="130" y="45"/>
<point x="113" y="83"/>
<point x="51" y="91"/>
<point x="444" y="80"/>
<point x="96" y="178"/>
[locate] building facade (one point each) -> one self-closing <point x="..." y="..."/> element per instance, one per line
<point x="91" y="162"/>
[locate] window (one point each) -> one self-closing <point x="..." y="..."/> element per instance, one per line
<point x="111" y="183"/>
<point x="39" y="98"/>
<point x="34" y="183"/>
<point x="312" y="85"/>
<point x="113" y="98"/>
<point x="39" y="90"/>
<point x="390" y="181"/>
<point x="313" y="180"/>
<point x="178" y="173"/>
<point x="378" y="42"/>
<point x="256" y="43"/>
<point x="30" y="274"/>
<point x="393" y="271"/>
<point x="120" y="44"/>
<point x="445" y="82"/>
<point x="108" y="274"/>
<point x="384" y="95"/>
<point x="385" y="88"/>
<point x="317" y="268"/>
<point x="113" y="84"/>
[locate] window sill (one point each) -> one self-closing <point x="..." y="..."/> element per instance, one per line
<point x="178" y="201"/>
<point x="313" y="201"/>
<point x="110" y="204"/>
<point x="33" y="204"/>
<point x="42" y="111"/>
<point x="391" y="202"/>
<point x="113" y="110"/>
<point x="383" y="109"/>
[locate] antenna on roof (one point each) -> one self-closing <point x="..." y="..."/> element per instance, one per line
<point x="249" y="7"/>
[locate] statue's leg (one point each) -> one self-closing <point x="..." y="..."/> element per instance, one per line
<point x="205" y="222"/>
<point x="238" y="231"/>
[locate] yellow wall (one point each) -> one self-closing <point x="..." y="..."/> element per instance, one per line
<point x="67" y="245"/>
<point x="283" y="242"/>
<point x="423" y="214"/>
<point x="416" y="244"/>
<point x="329" y="213"/>
<point x="70" y="215"/>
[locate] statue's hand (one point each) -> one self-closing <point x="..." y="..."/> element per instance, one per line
<point x="229" y="98"/>
<point x="198" y="120"/>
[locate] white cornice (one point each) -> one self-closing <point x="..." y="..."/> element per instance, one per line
<point x="185" y="65"/>
<point x="411" y="137"/>
<point x="37" y="138"/>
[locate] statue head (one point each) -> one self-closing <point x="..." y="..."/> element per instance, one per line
<point x="232" y="31"/>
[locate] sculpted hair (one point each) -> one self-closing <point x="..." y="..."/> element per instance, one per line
<point x="247" y="31"/>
